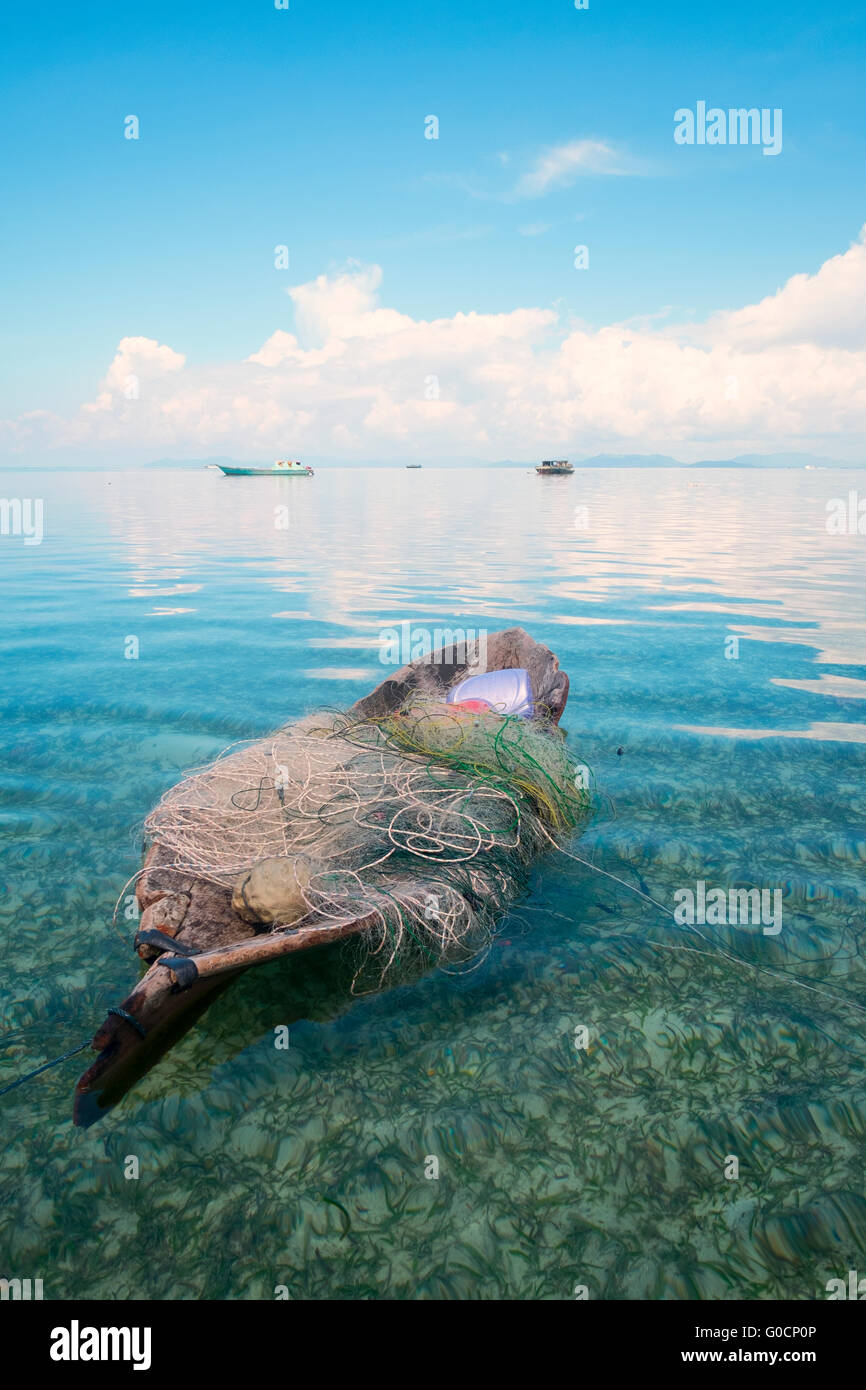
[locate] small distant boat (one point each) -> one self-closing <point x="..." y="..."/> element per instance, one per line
<point x="413" y="465"/>
<point x="554" y="468"/>
<point x="283" y="468"/>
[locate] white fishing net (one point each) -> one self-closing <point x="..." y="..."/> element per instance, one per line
<point x="423" y="821"/>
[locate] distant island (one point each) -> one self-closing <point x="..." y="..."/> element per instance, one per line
<point x="740" y="461"/>
<point x="781" y="460"/>
<point x="752" y="461"/>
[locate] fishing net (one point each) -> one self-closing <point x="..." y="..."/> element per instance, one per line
<point x="423" y="821"/>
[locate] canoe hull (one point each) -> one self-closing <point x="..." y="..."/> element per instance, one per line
<point x="198" y="915"/>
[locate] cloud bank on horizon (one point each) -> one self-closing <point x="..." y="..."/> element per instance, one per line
<point x="359" y="380"/>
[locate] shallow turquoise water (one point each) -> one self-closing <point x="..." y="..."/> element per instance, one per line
<point x="558" y="1166"/>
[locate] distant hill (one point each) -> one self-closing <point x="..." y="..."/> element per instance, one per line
<point x="776" y="461"/>
<point x="739" y="461"/>
<point x="781" y="460"/>
<point x="667" y="461"/>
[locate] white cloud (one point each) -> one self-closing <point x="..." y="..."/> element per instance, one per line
<point x="345" y="306"/>
<point x="142" y="358"/>
<point x="827" y="308"/>
<point x="361" y="380"/>
<point x="559" y="166"/>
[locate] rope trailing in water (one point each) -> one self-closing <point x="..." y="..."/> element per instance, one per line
<point x="73" y="1052"/>
<point x="776" y="972"/>
<point x="46" y="1067"/>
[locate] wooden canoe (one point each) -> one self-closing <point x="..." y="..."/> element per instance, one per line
<point x="193" y="941"/>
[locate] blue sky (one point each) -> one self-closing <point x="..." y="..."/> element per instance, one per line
<point x="306" y="127"/>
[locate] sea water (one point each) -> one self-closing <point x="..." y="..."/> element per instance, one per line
<point x="611" y="1104"/>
